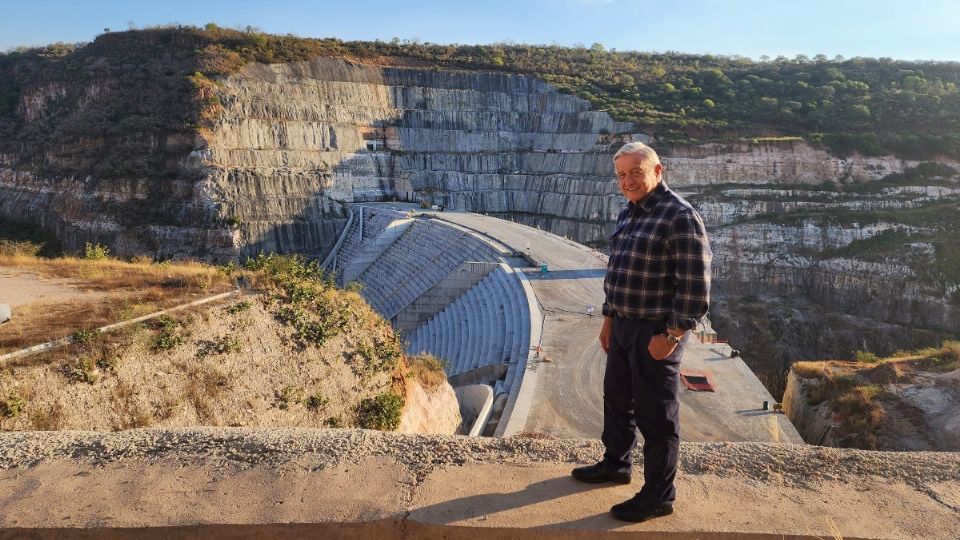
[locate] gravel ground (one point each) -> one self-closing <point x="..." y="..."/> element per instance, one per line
<point x="787" y="464"/>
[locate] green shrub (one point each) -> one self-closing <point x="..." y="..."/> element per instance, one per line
<point x="108" y="362"/>
<point x="866" y="357"/>
<point x="288" y="266"/>
<point x="301" y="294"/>
<point x="239" y="307"/>
<point x="95" y="252"/>
<point x="317" y="402"/>
<point x="382" y="412"/>
<point x="84" y="370"/>
<point x="315" y="318"/>
<point x="382" y="356"/>
<point x="286" y="396"/>
<point x="167" y="341"/>
<point x="12" y="406"/>
<point x="170" y="333"/>
<point x="221" y="345"/>
<point x="86" y="336"/>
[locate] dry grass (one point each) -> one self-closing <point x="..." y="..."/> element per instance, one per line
<point x="129" y="290"/>
<point x="38" y="323"/>
<point x="940" y="359"/>
<point x="119" y="380"/>
<point x="15" y="248"/>
<point x="427" y="370"/>
<point x="47" y="418"/>
<point x="946" y="358"/>
<point x="114" y="275"/>
<point x="860" y="410"/>
<point x="810" y="370"/>
<point x="204" y="385"/>
<point x="856" y="401"/>
<point x="127" y="411"/>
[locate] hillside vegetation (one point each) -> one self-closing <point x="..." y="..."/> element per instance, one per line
<point x="293" y="350"/>
<point x="130" y="103"/>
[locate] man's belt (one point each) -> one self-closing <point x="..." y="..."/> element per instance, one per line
<point x="660" y="319"/>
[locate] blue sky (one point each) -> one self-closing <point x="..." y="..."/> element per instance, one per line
<point x="915" y="30"/>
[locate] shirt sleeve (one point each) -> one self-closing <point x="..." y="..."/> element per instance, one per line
<point x="692" y="257"/>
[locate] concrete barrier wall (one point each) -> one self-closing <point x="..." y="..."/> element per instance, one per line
<point x="476" y="402"/>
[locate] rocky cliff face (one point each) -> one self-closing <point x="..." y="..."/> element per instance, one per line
<point x="827" y="256"/>
<point x="131" y="216"/>
<point x="902" y="404"/>
<point x="485" y="142"/>
<point x="433" y="411"/>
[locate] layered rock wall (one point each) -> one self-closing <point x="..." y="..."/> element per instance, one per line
<point x="485" y="142"/>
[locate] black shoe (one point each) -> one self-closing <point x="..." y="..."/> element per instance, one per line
<point x="595" y="474"/>
<point x="636" y="510"/>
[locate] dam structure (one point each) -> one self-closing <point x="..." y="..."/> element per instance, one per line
<point x="516" y="309"/>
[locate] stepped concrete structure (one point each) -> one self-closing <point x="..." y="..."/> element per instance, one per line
<point x="451" y="293"/>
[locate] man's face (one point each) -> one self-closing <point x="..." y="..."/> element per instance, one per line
<point x="636" y="178"/>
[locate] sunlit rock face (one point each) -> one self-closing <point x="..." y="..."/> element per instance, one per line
<point x="484" y="142"/>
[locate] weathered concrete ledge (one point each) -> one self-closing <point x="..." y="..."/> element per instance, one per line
<point x="292" y="483"/>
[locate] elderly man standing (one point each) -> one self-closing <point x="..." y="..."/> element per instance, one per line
<point x="657" y="289"/>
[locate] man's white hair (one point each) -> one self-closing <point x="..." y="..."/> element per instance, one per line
<point x="647" y="154"/>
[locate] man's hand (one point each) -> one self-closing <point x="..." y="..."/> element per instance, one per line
<point x="605" y="331"/>
<point x="660" y="348"/>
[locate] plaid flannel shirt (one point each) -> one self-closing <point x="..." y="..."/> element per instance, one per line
<point x="659" y="267"/>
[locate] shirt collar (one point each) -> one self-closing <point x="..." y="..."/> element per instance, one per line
<point x="648" y="203"/>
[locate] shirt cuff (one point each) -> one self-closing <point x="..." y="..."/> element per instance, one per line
<point x="607" y="312"/>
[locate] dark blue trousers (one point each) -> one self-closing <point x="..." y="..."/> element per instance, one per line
<point x="642" y="393"/>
